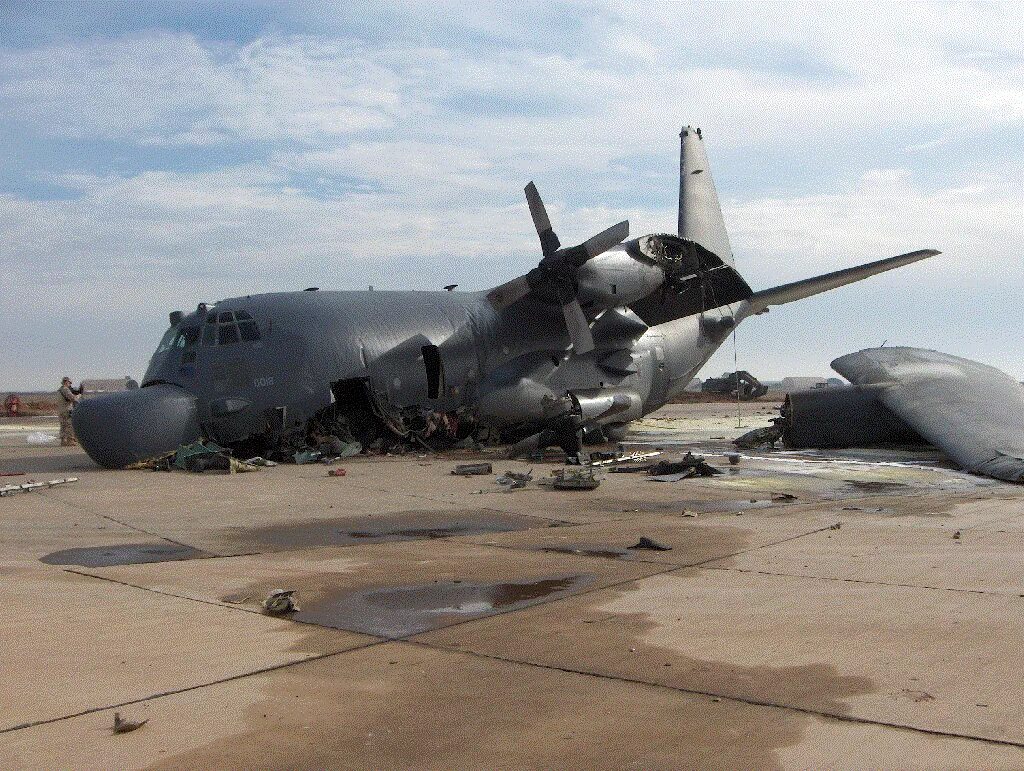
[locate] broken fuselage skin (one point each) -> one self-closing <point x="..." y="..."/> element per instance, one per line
<point x="500" y="366"/>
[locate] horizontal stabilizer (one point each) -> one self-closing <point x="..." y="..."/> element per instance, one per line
<point x="798" y="290"/>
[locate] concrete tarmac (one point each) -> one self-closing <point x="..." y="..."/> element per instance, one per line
<point x="845" y="610"/>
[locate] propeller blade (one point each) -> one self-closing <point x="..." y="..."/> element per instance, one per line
<point x="508" y="293"/>
<point x="579" y="329"/>
<point x="605" y="240"/>
<point x="549" y="242"/>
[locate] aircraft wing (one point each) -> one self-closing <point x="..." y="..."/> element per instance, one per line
<point x="973" y="412"/>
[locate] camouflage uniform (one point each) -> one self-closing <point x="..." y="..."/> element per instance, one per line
<point x="68" y="398"/>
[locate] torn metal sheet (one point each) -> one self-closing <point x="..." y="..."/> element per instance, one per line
<point x="973" y="412"/>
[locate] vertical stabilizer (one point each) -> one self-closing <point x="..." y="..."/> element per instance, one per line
<point x="700" y="214"/>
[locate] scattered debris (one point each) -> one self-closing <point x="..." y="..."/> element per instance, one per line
<point x="783" y="497"/>
<point x="514" y="480"/>
<point x="836" y="526"/>
<point x="336" y="472"/>
<point x="687" y="514"/>
<point x="305" y="457"/>
<point x="41" y="437"/>
<point x="473" y="469"/>
<point x="918" y="696"/>
<point x="689" y="466"/>
<point x="126" y="726"/>
<point x="956" y="536"/>
<point x="761" y="437"/>
<point x="259" y="460"/>
<point x="280" y="602"/>
<point x="29" y="486"/>
<point x="575" y="479"/>
<point x="648" y="543"/>
<point x="611" y="459"/>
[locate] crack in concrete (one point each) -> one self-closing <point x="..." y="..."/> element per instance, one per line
<point x="186" y="689"/>
<point x="868" y="581"/>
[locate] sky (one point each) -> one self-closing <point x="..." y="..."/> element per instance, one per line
<point x="153" y="156"/>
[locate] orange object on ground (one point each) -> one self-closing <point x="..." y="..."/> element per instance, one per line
<point x="336" y="472"/>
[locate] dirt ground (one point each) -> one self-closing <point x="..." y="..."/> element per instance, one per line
<point x="844" y="611"/>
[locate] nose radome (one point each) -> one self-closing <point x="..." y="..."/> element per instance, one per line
<point x="119" y="429"/>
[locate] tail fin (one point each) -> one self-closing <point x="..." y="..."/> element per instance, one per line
<point x="700" y="214"/>
<point x="798" y="290"/>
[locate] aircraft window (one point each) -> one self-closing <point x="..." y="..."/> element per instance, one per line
<point x="248" y="330"/>
<point x="243" y="316"/>
<point x="187" y="337"/>
<point x="225" y="317"/>
<point x="227" y="334"/>
<point x="209" y="334"/>
<point x="166" y="340"/>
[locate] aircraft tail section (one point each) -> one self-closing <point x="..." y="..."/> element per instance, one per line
<point x="798" y="290"/>
<point x="700" y="213"/>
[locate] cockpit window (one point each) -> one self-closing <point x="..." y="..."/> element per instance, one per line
<point x="167" y="340"/>
<point x="227" y="327"/>
<point x="227" y="334"/>
<point x="186" y="338"/>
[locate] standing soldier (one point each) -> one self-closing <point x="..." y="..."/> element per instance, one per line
<point x="69" y="397"/>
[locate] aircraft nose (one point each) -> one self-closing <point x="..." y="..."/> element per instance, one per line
<point x="119" y="429"/>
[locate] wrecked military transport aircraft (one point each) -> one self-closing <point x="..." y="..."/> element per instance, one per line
<point x="974" y="413"/>
<point x="595" y="336"/>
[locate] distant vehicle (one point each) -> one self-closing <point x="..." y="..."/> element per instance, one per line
<point x="741" y="385"/>
<point x="595" y="336"/>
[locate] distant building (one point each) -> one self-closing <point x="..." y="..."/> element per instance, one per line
<point x="104" y="386"/>
<point x="790" y="384"/>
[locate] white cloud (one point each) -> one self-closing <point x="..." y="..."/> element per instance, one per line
<point x="376" y="159"/>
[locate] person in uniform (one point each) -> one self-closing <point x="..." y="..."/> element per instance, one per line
<point x="68" y="397"/>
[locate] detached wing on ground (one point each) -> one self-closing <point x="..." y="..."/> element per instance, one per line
<point x="973" y="412"/>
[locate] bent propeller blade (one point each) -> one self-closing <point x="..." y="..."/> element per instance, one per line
<point x="579" y="329"/>
<point x="606" y="239"/>
<point x="549" y="242"/>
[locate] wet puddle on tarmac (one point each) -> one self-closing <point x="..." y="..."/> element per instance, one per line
<point x="609" y="552"/>
<point x="403" y="526"/>
<point x="122" y="554"/>
<point x="399" y="611"/>
<point x="711" y="507"/>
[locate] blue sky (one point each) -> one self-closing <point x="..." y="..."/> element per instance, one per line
<point x="156" y="155"/>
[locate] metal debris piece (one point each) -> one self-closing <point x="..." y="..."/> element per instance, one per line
<point x="280" y="602"/>
<point x="472" y="469"/>
<point x="575" y="479"/>
<point x="761" y="437"/>
<point x="836" y="526"/>
<point x="689" y="465"/>
<point x="126" y="726"/>
<point x="783" y="497"/>
<point x="29" y="486"/>
<point x="259" y="460"/>
<point x="633" y="457"/>
<point x="956" y="536"/>
<point x="650" y="544"/>
<point x="514" y="480"/>
<point x="336" y="472"/>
